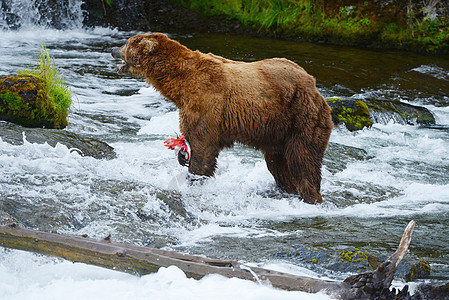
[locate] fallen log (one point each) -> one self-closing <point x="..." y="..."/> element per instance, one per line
<point x="143" y="260"/>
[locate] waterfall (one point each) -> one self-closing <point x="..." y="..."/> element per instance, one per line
<point x="26" y="14"/>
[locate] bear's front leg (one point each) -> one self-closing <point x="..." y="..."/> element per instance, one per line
<point x="203" y="160"/>
<point x="202" y="132"/>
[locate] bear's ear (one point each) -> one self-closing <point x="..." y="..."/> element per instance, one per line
<point x="148" y="44"/>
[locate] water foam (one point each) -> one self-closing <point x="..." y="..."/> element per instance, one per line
<point x="433" y="70"/>
<point x="27" y="276"/>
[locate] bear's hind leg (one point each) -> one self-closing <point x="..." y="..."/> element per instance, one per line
<point x="278" y="167"/>
<point x="304" y="164"/>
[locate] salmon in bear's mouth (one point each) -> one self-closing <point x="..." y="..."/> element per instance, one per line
<point x="124" y="66"/>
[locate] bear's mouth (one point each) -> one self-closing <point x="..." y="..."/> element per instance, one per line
<point x="123" y="68"/>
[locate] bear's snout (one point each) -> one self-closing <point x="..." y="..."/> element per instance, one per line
<point x="117" y="52"/>
<point x="124" y="66"/>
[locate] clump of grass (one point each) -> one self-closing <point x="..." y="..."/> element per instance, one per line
<point x="57" y="94"/>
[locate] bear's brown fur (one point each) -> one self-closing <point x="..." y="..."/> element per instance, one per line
<point x="271" y="105"/>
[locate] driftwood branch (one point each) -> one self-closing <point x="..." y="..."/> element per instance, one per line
<point x="144" y="260"/>
<point x="377" y="282"/>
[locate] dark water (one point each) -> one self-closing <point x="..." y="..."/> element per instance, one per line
<point x="374" y="181"/>
<point x="345" y="71"/>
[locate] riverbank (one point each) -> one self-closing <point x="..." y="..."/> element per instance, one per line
<point x="411" y="25"/>
<point x="421" y="26"/>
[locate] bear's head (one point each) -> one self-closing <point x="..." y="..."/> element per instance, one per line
<point x="136" y="54"/>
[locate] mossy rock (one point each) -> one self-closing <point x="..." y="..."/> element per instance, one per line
<point x="353" y="113"/>
<point x="403" y="113"/>
<point x="24" y="101"/>
<point x="353" y="260"/>
<point x="358" y="114"/>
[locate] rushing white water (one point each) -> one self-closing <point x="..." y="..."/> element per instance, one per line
<point x="374" y="180"/>
<point x="40" y="14"/>
<point x="26" y="276"/>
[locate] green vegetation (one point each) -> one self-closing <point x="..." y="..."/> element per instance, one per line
<point x="58" y="94"/>
<point x="107" y="2"/>
<point x="360" y="256"/>
<point x="407" y="113"/>
<point x="13" y="101"/>
<point x="37" y="96"/>
<point x="418" y="271"/>
<point x="366" y="23"/>
<point x="354" y="113"/>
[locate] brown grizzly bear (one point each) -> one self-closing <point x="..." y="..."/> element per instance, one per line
<point x="271" y="105"/>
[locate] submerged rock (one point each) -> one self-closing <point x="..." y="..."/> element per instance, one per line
<point x="23" y="101"/>
<point x="353" y="260"/>
<point x="6" y="218"/>
<point x="337" y="156"/>
<point x="14" y="134"/>
<point x="358" y="114"/>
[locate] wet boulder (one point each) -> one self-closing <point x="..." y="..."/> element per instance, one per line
<point x="403" y="113"/>
<point x="24" y="101"/>
<point x="86" y="146"/>
<point x="358" y="114"/>
<point x="353" y="260"/>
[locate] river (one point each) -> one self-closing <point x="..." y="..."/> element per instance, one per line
<point x="374" y="181"/>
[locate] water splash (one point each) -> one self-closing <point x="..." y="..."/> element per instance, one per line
<point x="26" y="14"/>
<point x="433" y="70"/>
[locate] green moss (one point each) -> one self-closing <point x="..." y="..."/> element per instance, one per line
<point x="353" y="113"/>
<point x="12" y="102"/>
<point x="359" y="256"/>
<point x="20" y="101"/>
<point x="404" y="112"/>
<point x="418" y="271"/>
